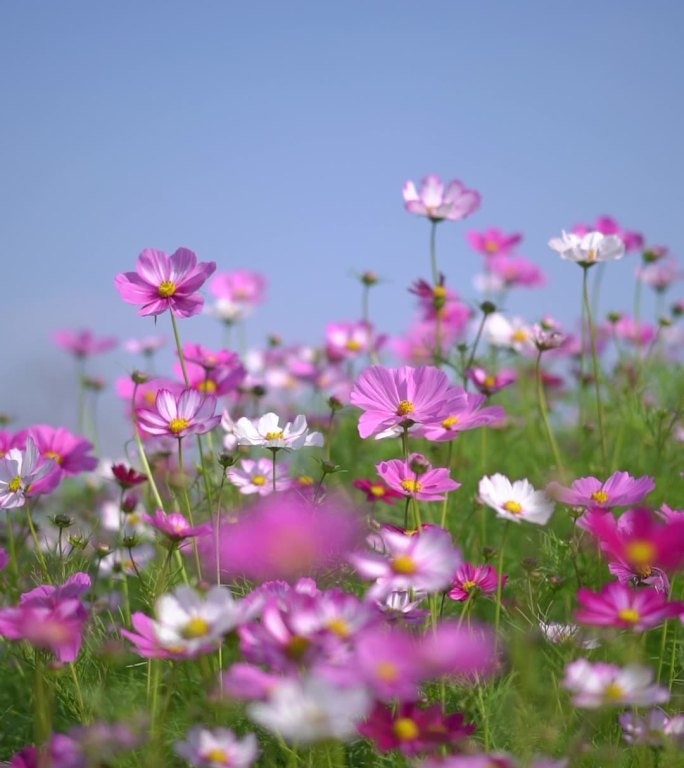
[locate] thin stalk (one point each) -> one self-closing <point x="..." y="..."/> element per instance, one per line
<point x="445" y="503"/>
<point x="543" y="412"/>
<point x="473" y="350"/>
<point x="499" y="580"/>
<point x="274" y="452"/>
<point x="594" y="358"/>
<point x="143" y="456"/>
<point x="433" y="251"/>
<point x="36" y="543"/>
<point x="188" y="508"/>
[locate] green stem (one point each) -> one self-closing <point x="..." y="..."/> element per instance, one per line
<point x="36" y="543"/>
<point x="473" y="350"/>
<point x="499" y="580"/>
<point x="445" y="503"/>
<point x="594" y="358"/>
<point x="433" y="251"/>
<point x="543" y="412"/>
<point x="188" y="508"/>
<point x="42" y="705"/>
<point x="142" y="454"/>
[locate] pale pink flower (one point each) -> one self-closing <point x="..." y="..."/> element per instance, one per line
<point x="188" y="414"/>
<point x="598" y="685"/>
<point x="437" y="203"/>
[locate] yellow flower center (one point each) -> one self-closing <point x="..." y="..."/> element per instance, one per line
<point x="489" y="381"/>
<point x="14" y="484"/>
<point x="403" y="565"/>
<point x="166" y="289"/>
<point x="258" y="480"/>
<point x="404" y="408"/>
<point x="591" y="255"/>
<point x="640" y="552"/>
<point x="490" y="246"/>
<point x="411" y="486"/>
<point x="439" y="292"/>
<point x="305" y="480"/>
<point x="629" y="615"/>
<point x="600" y="496"/>
<point x="405" y="729"/>
<point x="338" y="627"/>
<point x="643" y="571"/>
<point x="196" y="627"/>
<point x="519" y="335"/>
<point x="216" y="755"/>
<point x="512" y="506"/>
<point x="296" y="647"/>
<point x="353" y="345"/>
<point x="613" y="692"/>
<point x="149" y="397"/>
<point x="207" y="385"/>
<point x="273" y="436"/>
<point x="466" y="586"/>
<point x="449" y="422"/>
<point x="377" y="490"/>
<point x="386" y="671"/>
<point x="57" y="457"/>
<point x="178" y="425"/>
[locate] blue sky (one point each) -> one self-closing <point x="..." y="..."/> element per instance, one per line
<point x="278" y="135"/>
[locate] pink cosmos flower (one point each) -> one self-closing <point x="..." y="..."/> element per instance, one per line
<point x="163" y="282"/>
<point x="347" y="341"/>
<point x="619" y="490"/>
<point x="515" y="270"/>
<point x="242" y="286"/>
<point x="607" y="225"/>
<point x="174" y="526"/>
<point x="489" y="383"/>
<point x="465" y="411"/>
<point x="146" y="346"/>
<point x="412" y="728"/>
<point x="216" y="380"/>
<point x="437" y="203"/>
<point x="69" y="452"/>
<point x="23" y="473"/>
<point x="628" y="330"/>
<point x="597" y="685"/>
<point x="492" y="241"/>
<point x="639" y="547"/>
<point x="427" y="485"/>
<point x="83" y="343"/>
<point x="284" y="537"/>
<point x="424" y="561"/>
<point x="256" y="476"/>
<point x="399" y="397"/>
<point x="376" y="490"/>
<point x="472" y="580"/>
<point x="616" y="605"/>
<point x="188" y="414"/>
<point x="660" y="275"/>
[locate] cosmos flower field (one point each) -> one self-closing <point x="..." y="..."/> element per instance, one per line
<point x="458" y="548"/>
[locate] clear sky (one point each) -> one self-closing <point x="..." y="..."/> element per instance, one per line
<point x="277" y="135"/>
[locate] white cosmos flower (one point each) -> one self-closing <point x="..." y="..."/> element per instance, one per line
<point x="515" y="501"/>
<point x="18" y="471"/>
<point x="513" y="333"/>
<point x="191" y="621"/>
<point x="312" y="709"/>
<point x="588" y="249"/>
<point x="217" y="748"/>
<point x="596" y="685"/>
<point x="267" y="432"/>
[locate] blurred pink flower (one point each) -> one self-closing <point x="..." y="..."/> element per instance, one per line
<point x="617" y="605"/>
<point x="83" y="343"/>
<point x="492" y="241"/>
<point x="437" y="203"/>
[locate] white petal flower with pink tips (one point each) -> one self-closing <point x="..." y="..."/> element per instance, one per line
<point x="267" y="432"/>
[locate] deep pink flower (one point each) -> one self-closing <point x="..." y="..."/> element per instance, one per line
<point x="430" y="485"/>
<point x="377" y="490"/>
<point x="174" y="526"/>
<point x="412" y="728"/>
<point x="492" y="241"/>
<point x="69" y="452"/>
<point x="60" y="752"/>
<point x="617" y="605"/>
<point x="639" y="547"/>
<point x="83" y="343"/>
<point x="619" y="490"/>
<point x="218" y="380"/>
<point x="437" y="203"/>
<point x="472" y="580"/>
<point x="399" y="397"/>
<point x="163" y="282"/>
<point x="188" y="414"/>
<point x="607" y="225"/>
<point x="127" y="477"/>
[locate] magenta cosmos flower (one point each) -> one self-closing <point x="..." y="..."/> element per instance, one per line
<point x="188" y="414"/>
<point x="437" y="203"/>
<point x="162" y="282"/>
<point x="69" y="452"/>
<point x="426" y="485"/>
<point x="616" y="605"/>
<point x="399" y="397"/>
<point x="493" y="241"/>
<point x="619" y="490"/>
<point x="174" y="526"/>
<point x="376" y="490"/>
<point x="472" y="580"/>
